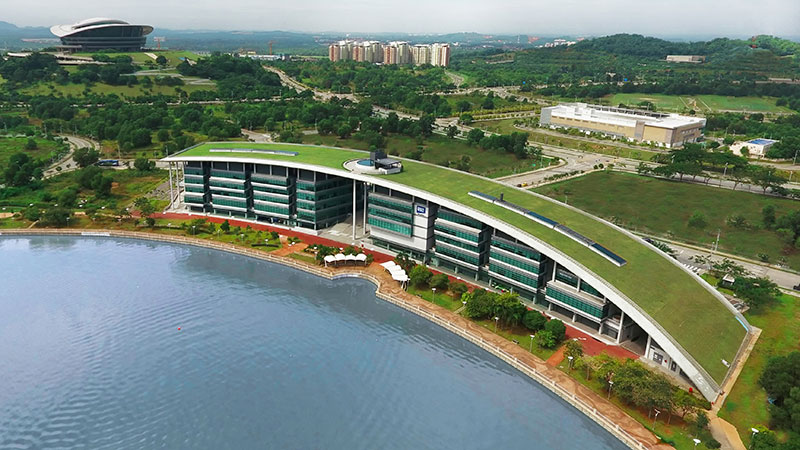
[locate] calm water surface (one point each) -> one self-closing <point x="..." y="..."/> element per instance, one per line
<point x="267" y="357"/>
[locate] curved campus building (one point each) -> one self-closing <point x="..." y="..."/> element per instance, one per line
<point x="102" y="34"/>
<point x="573" y="266"/>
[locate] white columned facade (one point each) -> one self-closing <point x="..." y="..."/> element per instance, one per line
<point x="355" y="184"/>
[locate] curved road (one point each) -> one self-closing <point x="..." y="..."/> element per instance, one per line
<point x="66" y="163"/>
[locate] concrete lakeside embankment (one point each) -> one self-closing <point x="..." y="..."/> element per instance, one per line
<point x="603" y="412"/>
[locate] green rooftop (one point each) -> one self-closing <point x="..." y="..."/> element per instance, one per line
<point x="691" y="314"/>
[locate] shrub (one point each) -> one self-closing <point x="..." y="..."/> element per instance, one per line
<point x="545" y="339"/>
<point x="273" y="235"/>
<point x="697" y="220"/>
<point x="557" y="329"/>
<point x="439" y="281"/>
<point x="534" y="320"/>
<point x="419" y="275"/>
<point x="457" y="288"/>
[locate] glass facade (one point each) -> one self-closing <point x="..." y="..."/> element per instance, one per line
<point x="528" y="266"/>
<point x="470" y="236"/>
<point x="458" y="218"/>
<point x="518" y="249"/>
<point x="529" y="280"/>
<point x="580" y="305"/>
<point x="460" y="255"/>
<point x="388" y="202"/>
<point x="567" y="277"/>
<point x="389" y="225"/>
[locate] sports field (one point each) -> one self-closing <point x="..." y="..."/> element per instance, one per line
<point x="699" y="103"/>
<point x="173" y="56"/>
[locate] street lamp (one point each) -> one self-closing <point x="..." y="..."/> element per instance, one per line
<point x="193" y="230"/>
<point x="655" y="417"/>
<point x="696" y="441"/>
<point x="531" y="349"/>
<point x="496" y="319"/>
<point x="570" y="358"/>
<point x="434" y="295"/>
<point x="753" y="437"/>
<point x="610" y="385"/>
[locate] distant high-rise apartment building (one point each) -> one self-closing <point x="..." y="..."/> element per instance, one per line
<point x="397" y="52"/>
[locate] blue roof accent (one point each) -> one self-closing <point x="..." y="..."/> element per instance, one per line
<point x="550" y="223"/>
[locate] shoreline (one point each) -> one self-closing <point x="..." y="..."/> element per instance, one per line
<point x="612" y="419"/>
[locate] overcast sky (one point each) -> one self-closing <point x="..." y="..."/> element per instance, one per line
<point x="532" y="17"/>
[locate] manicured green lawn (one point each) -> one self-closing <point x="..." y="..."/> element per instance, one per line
<point x="659" y="287"/>
<point x="305" y="257"/>
<point x="439" y="150"/>
<point x="700" y="103"/>
<point x="746" y="405"/>
<point x="445" y="300"/>
<point x="173" y="56"/>
<point x="663" y="208"/>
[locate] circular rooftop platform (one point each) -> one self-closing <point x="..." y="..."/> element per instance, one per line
<point x="369" y="167"/>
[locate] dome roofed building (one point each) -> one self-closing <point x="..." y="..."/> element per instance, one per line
<point x="102" y="34"/>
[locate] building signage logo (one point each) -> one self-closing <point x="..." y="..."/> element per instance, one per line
<point x="421" y="209"/>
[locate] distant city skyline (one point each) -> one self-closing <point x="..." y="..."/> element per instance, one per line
<point x="672" y="18"/>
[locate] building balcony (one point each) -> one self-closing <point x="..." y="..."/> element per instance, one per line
<point x="455" y="260"/>
<point x="520" y="284"/>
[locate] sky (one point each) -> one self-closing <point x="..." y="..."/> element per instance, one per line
<point x="734" y="18"/>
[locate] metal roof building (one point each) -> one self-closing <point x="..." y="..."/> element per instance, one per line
<point x="102" y="34"/>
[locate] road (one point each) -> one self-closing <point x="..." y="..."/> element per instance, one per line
<point x="66" y="163"/>
<point x="286" y="80"/>
<point x="255" y="136"/>
<point x="685" y="254"/>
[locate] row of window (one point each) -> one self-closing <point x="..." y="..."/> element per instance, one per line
<point x="575" y="303"/>
<point x="457" y="243"/>
<point x="222" y="201"/>
<point x="271" y="209"/>
<point x="517" y="249"/>
<point x="195" y="188"/>
<point x="388" y="214"/>
<point x="566" y="277"/>
<point x="458" y="218"/>
<point x="388" y="203"/>
<point x="276" y="189"/>
<point x="270" y="198"/>
<point x="269" y="180"/>
<point x="196" y="200"/>
<point x="514" y="262"/>
<point x="216" y="194"/>
<point x="311" y="216"/>
<point x="226" y="184"/>
<point x="194" y="180"/>
<point x="474" y="237"/>
<point x="461" y="256"/>
<point x="193" y="170"/>
<point x="389" y="225"/>
<point x="322" y="185"/>
<point x="532" y="281"/>
<point x="226" y="174"/>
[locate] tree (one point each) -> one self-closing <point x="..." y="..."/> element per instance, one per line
<point x="545" y="339"/>
<point x="68" y="198"/>
<point x="767" y="177"/>
<point x="697" y="220"/>
<point x="573" y="349"/>
<point x="790" y="223"/>
<point x="556" y="328"/>
<point x="161" y="60"/>
<point x="452" y="131"/>
<point x="768" y="216"/>
<point x="419" y="275"/>
<point x="146" y="208"/>
<point x="458" y="288"/>
<point x="162" y="135"/>
<point x="756" y="292"/>
<point x="225" y="226"/>
<point x="685" y="402"/>
<point x="508" y="308"/>
<point x="31" y="144"/>
<point x="85" y="157"/>
<point x="465" y="119"/>
<point x="143" y="165"/>
<point x="739" y="175"/>
<point x="439" y="281"/>
<point x="534" y="320"/>
<point x="102" y="185"/>
<point x="479" y="303"/>
<point x="56" y="217"/>
<point x="474" y="136"/>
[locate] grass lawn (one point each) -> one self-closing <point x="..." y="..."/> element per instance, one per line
<point x="675" y="287"/>
<point x="141" y="58"/>
<point x="305" y="257"/>
<point x="439" y="150"/>
<point x="445" y="300"/>
<point x="746" y="405"/>
<point x="663" y="208"/>
<point x="700" y="103"/>
<point x="11" y="145"/>
<point x="520" y="334"/>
